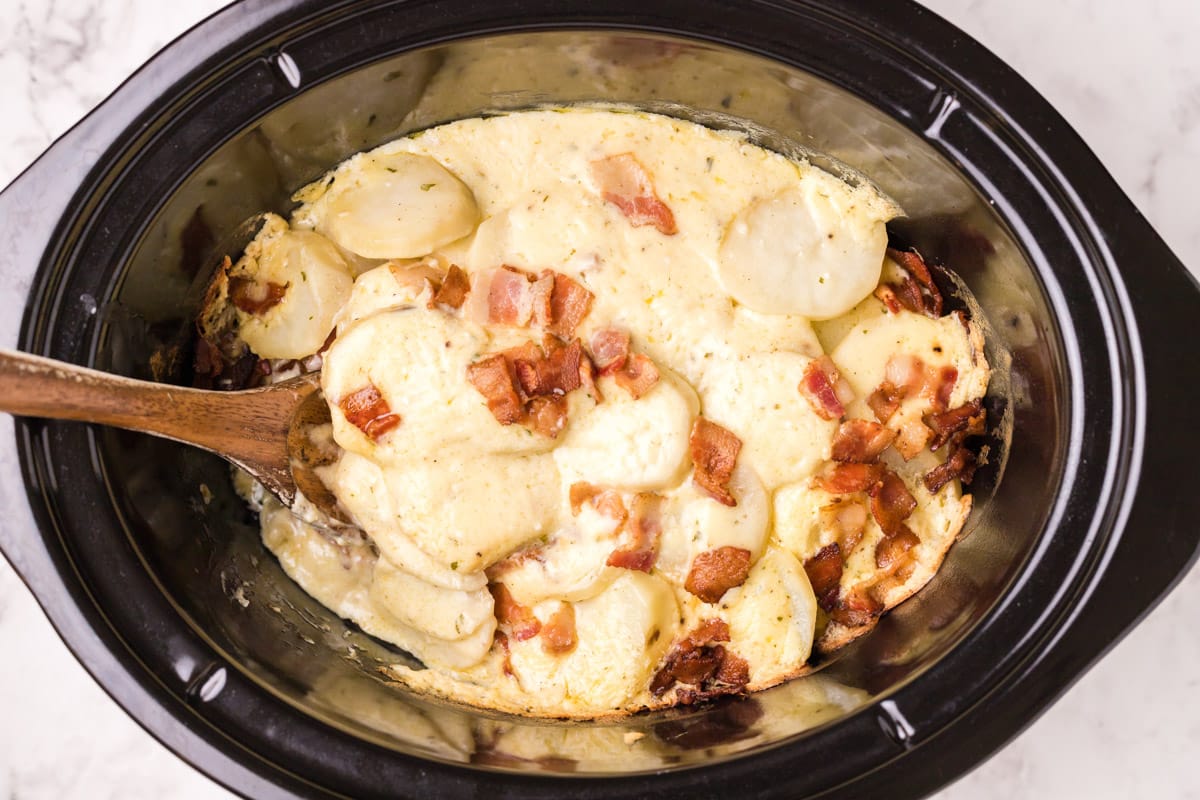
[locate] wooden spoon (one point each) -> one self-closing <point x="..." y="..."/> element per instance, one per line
<point x="270" y="432"/>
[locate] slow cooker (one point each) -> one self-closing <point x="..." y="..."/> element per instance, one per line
<point x="152" y="571"/>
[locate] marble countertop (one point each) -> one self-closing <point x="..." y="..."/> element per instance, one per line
<point x="1127" y="76"/>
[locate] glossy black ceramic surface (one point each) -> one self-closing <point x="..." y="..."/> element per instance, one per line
<point x="1071" y="541"/>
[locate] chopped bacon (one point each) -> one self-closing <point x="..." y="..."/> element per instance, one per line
<point x="510" y="297"/>
<point x="554" y="372"/>
<point x="885" y="401"/>
<point x="891" y="503"/>
<point x="848" y="518"/>
<point x="697" y="661"/>
<point x="546" y="416"/>
<point x="944" y="383"/>
<point x="540" y="293"/>
<point x="825" y="574"/>
<point x="638" y="376"/>
<point x="625" y="183"/>
<point x="918" y="292"/>
<point x="520" y="619"/>
<point x="714" y="452"/>
<point x="961" y="464"/>
<point x="558" y="634"/>
<point x="606" y="501"/>
<point x="452" y="293"/>
<point x="644" y="529"/>
<point x="716" y="571"/>
<point x="253" y="297"/>
<point x="818" y="387"/>
<point x="587" y="379"/>
<point x="610" y="349"/>
<point x="891" y="550"/>
<point x="968" y="418"/>
<point x="367" y="410"/>
<point x="570" y="302"/>
<point x="860" y="441"/>
<point x="849" y="478"/>
<point x="887" y="296"/>
<point x="912" y="438"/>
<point x="855" y="609"/>
<point x="493" y="377"/>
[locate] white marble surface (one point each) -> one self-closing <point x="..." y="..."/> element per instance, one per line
<point x="1126" y="75"/>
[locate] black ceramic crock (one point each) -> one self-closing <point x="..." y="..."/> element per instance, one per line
<point x="163" y="591"/>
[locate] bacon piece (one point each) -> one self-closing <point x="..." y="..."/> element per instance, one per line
<point x="825" y="574"/>
<point x="540" y="293"/>
<point x="891" y="503"/>
<point x="510" y="297"/>
<point x="707" y="632"/>
<point x="918" y="292"/>
<point x="887" y="296"/>
<point x="697" y="661"/>
<point x="610" y="349"/>
<point x="366" y="410"/>
<point x="520" y="619"/>
<point x="546" y="416"/>
<point x="625" y="183"/>
<point x="892" y="550"/>
<point x="716" y="571"/>
<point x="849" y="478"/>
<point x="817" y="386"/>
<point x="734" y="671"/>
<point x="912" y="438"/>
<point x="587" y="379"/>
<point x="968" y="418"/>
<point x="944" y="383"/>
<point x="848" y="518"/>
<point x="558" y="634"/>
<point x="493" y="377"/>
<point x="553" y="372"/>
<point x="855" y="609"/>
<point x="570" y="302"/>
<point x="860" y="441"/>
<point x="255" y="298"/>
<point x="714" y="452"/>
<point x="885" y="401"/>
<point x="644" y="529"/>
<point x="452" y="292"/>
<point x="606" y="501"/>
<point x="638" y="376"/>
<point x="961" y="464"/>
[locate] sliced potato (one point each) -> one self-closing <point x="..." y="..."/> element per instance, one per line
<point x="571" y="566"/>
<point x="772" y="618"/>
<point x="449" y="614"/>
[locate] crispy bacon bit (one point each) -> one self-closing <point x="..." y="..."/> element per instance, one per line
<point x="885" y="401"/>
<point x="944" y="383"/>
<point x="558" y="634"/>
<point x="961" y="464"/>
<point x="554" y="372"/>
<point x="912" y="438"/>
<point x="510" y="297"/>
<point x="610" y="349"/>
<point x="453" y="291"/>
<point x="638" y="376"/>
<point x="825" y="574"/>
<point x="546" y="416"/>
<point x="848" y="518"/>
<point x="716" y="571"/>
<point x="860" y="441"/>
<point x="644" y="529"/>
<point x="918" y="292"/>
<point x="606" y="501"/>
<point x="540" y="293"/>
<point x="891" y="503"/>
<point x="968" y="418"/>
<point x="253" y="297"/>
<point x="714" y="452"/>
<point x="520" y="619"/>
<point x="891" y="550"/>
<point x="700" y="667"/>
<point x="855" y="609"/>
<point x="818" y="387"/>
<point x="625" y="183"/>
<point x="887" y="296"/>
<point x="493" y="377"/>
<point x="587" y="379"/>
<point x="849" y="478"/>
<point x="569" y="304"/>
<point x="366" y="410"/>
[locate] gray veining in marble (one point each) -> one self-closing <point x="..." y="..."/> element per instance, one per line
<point x="1126" y="75"/>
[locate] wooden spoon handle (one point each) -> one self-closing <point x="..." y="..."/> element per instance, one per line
<point x="248" y="427"/>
